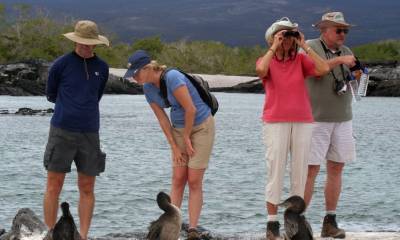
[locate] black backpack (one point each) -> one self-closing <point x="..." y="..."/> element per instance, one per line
<point x="199" y="83"/>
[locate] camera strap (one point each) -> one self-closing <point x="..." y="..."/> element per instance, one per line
<point x="329" y="55"/>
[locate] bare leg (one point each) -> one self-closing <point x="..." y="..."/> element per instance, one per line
<point x="272" y="208"/>
<point x="179" y="179"/>
<point x="333" y="185"/>
<point x="313" y="171"/>
<point x="195" y="180"/>
<point x="55" y="182"/>
<point x="86" y="202"/>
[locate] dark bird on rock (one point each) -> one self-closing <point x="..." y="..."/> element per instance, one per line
<point x="168" y="225"/>
<point x="296" y="225"/>
<point x="65" y="228"/>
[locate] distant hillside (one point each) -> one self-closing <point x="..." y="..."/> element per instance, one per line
<point x="382" y="50"/>
<point x="233" y="22"/>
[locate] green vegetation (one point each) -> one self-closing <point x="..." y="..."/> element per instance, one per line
<point x="384" y="50"/>
<point x="33" y="35"/>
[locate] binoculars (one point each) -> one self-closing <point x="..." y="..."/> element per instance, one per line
<point x="289" y="33"/>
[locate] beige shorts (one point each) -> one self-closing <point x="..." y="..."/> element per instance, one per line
<point x="332" y="141"/>
<point x="202" y="137"/>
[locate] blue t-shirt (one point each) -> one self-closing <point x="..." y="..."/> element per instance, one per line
<point x="173" y="80"/>
<point x="76" y="86"/>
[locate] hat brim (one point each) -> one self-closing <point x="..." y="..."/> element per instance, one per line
<point x="132" y="71"/>
<point x="320" y="23"/>
<point x="129" y="73"/>
<point x="101" y="40"/>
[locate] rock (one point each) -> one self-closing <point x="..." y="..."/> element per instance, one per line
<point x="29" y="111"/>
<point x="29" y="78"/>
<point x="2" y="231"/>
<point x="117" y="85"/>
<point x="26" y="225"/>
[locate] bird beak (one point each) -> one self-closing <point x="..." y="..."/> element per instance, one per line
<point x="285" y="204"/>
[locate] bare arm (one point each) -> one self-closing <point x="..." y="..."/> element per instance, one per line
<point x="185" y="100"/>
<point x="321" y="66"/>
<point x="166" y="127"/>
<point x="263" y="66"/>
<point x="348" y="60"/>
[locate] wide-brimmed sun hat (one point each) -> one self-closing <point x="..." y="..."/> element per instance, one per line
<point x="139" y="59"/>
<point x="334" y="18"/>
<point x="280" y="24"/>
<point x="86" y="32"/>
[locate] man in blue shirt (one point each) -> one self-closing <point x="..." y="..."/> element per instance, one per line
<point x="75" y="84"/>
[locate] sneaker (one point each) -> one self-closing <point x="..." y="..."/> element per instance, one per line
<point x="193" y="234"/>
<point x="330" y="227"/>
<point x="273" y="230"/>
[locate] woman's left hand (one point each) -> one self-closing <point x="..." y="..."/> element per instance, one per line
<point x="301" y="41"/>
<point x="189" y="147"/>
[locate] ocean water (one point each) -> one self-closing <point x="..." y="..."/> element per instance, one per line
<point x="138" y="167"/>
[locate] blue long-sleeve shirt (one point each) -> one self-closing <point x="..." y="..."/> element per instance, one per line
<point x="76" y="86"/>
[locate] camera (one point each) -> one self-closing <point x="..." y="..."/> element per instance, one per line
<point x="289" y="33"/>
<point x="340" y="87"/>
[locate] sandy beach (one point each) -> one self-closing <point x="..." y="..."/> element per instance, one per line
<point x="215" y="81"/>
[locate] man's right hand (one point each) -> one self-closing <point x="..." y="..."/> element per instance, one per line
<point x="348" y="60"/>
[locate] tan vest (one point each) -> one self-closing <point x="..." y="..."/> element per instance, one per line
<point x="327" y="105"/>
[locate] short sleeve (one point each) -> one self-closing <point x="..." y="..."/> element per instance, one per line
<point x="263" y="80"/>
<point x="147" y="93"/>
<point x="174" y="79"/>
<point x="307" y="65"/>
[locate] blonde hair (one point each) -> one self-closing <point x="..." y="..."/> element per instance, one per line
<point x="157" y="66"/>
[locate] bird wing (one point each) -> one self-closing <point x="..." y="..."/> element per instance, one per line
<point x="291" y="224"/>
<point x="154" y="230"/>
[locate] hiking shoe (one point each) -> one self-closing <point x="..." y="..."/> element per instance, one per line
<point x="273" y="230"/>
<point x="330" y="227"/>
<point x="193" y="234"/>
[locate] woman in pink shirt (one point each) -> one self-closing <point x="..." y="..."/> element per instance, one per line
<point x="287" y="112"/>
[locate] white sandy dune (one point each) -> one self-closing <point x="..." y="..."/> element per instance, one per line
<point x="215" y="81"/>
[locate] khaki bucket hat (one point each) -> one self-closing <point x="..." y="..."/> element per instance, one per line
<point x="336" y="18"/>
<point x="281" y="24"/>
<point x="86" y="32"/>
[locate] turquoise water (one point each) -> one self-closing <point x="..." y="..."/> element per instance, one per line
<point x="138" y="166"/>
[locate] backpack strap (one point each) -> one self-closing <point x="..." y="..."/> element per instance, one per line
<point x="163" y="87"/>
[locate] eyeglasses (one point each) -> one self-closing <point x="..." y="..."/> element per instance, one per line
<point x="342" y="30"/>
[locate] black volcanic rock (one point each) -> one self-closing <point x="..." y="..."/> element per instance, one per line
<point x="384" y="81"/>
<point x="25" y="224"/>
<point x="29" y="79"/>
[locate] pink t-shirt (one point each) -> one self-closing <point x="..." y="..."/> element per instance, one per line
<point x="286" y="98"/>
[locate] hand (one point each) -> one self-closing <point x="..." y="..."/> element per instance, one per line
<point x="278" y="39"/>
<point x="189" y="147"/>
<point x="177" y="156"/>
<point x="348" y="60"/>
<point x="301" y="41"/>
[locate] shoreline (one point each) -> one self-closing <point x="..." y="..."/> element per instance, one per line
<point x="215" y="81"/>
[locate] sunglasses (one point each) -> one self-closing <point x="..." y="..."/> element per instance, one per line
<point x="342" y="30"/>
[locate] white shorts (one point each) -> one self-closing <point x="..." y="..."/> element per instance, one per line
<point x="332" y="141"/>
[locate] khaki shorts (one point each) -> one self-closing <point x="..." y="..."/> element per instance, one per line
<point x="332" y="141"/>
<point x="202" y="137"/>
